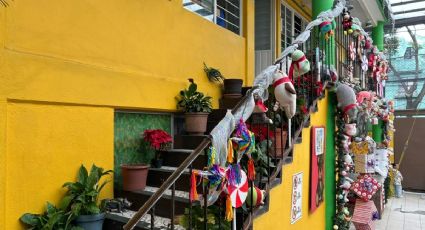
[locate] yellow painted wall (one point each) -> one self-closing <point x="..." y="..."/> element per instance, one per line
<point x="66" y="65"/>
<point x="278" y="216"/>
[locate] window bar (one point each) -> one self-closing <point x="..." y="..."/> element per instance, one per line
<point x="153" y="217"/>
<point x="173" y="194"/>
<point x="205" y="194"/>
<point x="190" y="201"/>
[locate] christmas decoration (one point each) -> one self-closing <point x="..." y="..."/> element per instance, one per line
<point x="299" y="65"/>
<point x="365" y="186"/>
<point x="285" y="93"/>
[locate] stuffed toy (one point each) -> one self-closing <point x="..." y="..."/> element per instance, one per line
<point x="347" y="100"/>
<point x="285" y="93"/>
<point x="350" y="129"/>
<point x="348" y="160"/>
<point x="332" y="75"/>
<point x="347" y="22"/>
<point x="299" y="65"/>
<point x="258" y="196"/>
<point x="261" y="109"/>
<point x="368" y="44"/>
<point x="327" y="28"/>
<point x="364" y="95"/>
<point x="356" y="26"/>
<point x="346" y="185"/>
<point x="346" y="142"/>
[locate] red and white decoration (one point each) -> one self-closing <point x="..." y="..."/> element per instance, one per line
<point x="365" y="187"/>
<point x="238" y="192"/>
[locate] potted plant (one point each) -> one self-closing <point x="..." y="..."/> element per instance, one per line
<point x="159" y="140"/>
<point x="232" y="87"/>
<point x="82" y="198"/>
<point x="196" y="106"/>
<point x="53" y="218"/>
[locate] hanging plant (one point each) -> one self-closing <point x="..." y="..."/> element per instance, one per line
<point x="214" y="75"/>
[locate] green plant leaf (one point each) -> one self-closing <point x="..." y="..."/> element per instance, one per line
<point x="92" y="208"/>
<point x="192" y="88"/>
<point x="30" y="219"/>
<point x="82" y="174"/>
<point x="64" y="203"/>
<point x="76" y="208"/>
<point x="50" y="208"/>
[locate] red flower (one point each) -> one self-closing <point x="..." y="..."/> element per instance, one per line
<point x="156" y="137"/>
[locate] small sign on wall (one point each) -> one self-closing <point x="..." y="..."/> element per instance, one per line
<point x="317" y="167"/>
<point x="297" y="190"/>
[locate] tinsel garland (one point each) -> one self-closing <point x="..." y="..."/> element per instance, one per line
<point x="342" y="216"/>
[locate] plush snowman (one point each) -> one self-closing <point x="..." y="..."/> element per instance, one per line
<point x="284" y="92"/>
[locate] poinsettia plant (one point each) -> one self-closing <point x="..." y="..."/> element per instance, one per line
<point x="157" y="138"/>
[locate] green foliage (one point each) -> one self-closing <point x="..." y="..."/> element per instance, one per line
<point x="214" y="75"/>
<point x="213" y="222"/>
<point x="82" y="195"/>
<point x="52" y="219"/>
<point x="260" y="157"/>
<point x="392" y="44"/>
<point x="192" y="101"/>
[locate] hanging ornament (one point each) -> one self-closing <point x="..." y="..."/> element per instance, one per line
<point x="352" y="51"/>
<point x="327" y="28"/>
<point x="243" y="140"/>
<point x="284" y="92"/>
<point x="347" y="21"/>
<point x="193" y="195"/>
<point x="255" y="194"/>
<point x="238" y="191"/>
<point x="299" y="65"/>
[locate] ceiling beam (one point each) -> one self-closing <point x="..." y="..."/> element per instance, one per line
<point x="405" y="80"/>
<point x="409" y="11"/>
<point x="406" y="22"/>
<point x="406" y="2"/>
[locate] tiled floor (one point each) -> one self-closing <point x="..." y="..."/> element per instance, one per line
<point x="407" y="213"/>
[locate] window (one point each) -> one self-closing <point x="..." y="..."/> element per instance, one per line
<point x="225" y="13"/>
<point x="292" y="26"/>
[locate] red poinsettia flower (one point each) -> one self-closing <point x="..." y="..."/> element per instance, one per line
<point x="156" y="138"/>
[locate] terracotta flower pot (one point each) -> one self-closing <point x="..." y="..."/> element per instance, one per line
<point x="196" y="123"/>
<point x="233" y="86"/>
<point x="134" y="177"/>
<point x="280" y="140"/>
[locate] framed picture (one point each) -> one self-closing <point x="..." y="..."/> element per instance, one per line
<point x="317" y="167"/>
<point x="297" y="193"/>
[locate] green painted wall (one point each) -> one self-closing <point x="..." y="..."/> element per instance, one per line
<point x="319" y="6"/>
<point x="330" y="161"/>
<point x="378" y="131"/>
<point x="128" y="145"/>
<point x="378" y="35"/>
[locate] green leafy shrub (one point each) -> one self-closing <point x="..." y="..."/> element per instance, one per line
<point x="192" y="101"/>
<point x="82" y="196"/>
<point x="52" y="219"/>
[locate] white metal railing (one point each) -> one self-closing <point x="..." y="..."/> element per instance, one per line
<point x="225" y="13"/>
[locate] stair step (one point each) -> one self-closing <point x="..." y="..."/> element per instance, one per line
<point x="164" y="204"/>
<point x="188" y="141"/>
<point x="115" y="221"/>
<point x="175" y="157"/>
<point x="157" y="176"/>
